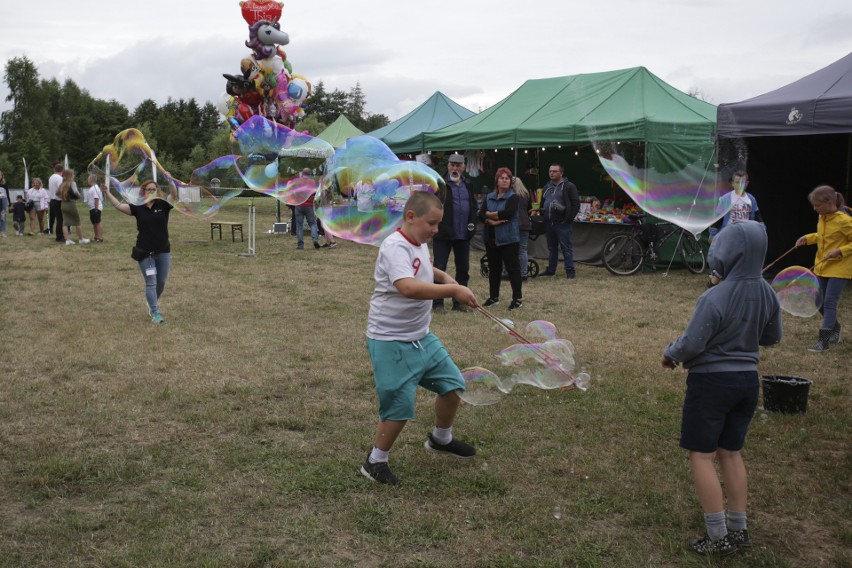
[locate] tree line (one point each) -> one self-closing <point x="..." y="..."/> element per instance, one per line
<point x="49" y="121"/>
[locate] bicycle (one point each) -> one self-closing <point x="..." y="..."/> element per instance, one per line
<point x="625" y="253"/>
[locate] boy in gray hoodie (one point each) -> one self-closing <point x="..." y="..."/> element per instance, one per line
<point x="720" y="350"/>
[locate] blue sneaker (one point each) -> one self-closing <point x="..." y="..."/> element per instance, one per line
<point x="157" y="317"/>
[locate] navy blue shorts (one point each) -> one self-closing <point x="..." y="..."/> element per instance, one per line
<point x="717" y="410"/>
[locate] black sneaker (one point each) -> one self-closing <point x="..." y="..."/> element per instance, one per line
<point x="740" y="537"/>
<point x="570" y="275"/>
<point x="316" y="245"/>
<point x="491" y="302"/>
<point x="705" y="546"/>
<point x="515" y="305"/>
<point x="548" y="273"/>
<point x="378" y="472"/>
<point x="455" y="448"/>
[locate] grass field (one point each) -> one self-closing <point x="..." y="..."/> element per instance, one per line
<point x="232" y="434"/>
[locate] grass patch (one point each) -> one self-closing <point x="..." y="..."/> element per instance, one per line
<point x="232" y="435"/>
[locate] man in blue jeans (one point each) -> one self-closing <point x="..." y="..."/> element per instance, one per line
<point x="559" y="204"/>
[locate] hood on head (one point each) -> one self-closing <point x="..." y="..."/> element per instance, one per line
<point x="738" y="251"/>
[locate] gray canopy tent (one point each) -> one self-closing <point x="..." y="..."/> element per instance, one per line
<point x="793" y="139"/>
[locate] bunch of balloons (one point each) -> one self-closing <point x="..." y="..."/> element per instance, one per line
<point x="266" y="85"/>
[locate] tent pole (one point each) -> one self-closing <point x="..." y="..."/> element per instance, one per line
<point x="516" y="162"/>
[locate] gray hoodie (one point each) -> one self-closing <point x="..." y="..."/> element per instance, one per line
<point x="737" y="315"/>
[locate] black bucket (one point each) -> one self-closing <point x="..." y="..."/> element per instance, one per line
<point x="785" y="394"/>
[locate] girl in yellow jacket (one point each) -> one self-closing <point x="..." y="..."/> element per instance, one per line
<point x="833" y="239"/>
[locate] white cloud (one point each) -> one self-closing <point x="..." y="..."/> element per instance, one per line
<point x="474" y="52"/>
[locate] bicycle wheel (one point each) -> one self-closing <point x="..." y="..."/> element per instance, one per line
<point x="692" y="253"/>
<point x="532" y="268"/>
<point x="483" y="265"/>
<point x="623" y="255"/>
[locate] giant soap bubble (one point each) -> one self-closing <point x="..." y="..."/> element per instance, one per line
<point x="267" y="158"/>
<point x="538" y="359"/>
<point x="364" y="189"/>
<point x="798" y="291"/>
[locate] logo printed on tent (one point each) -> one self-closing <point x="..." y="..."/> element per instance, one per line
<point x="795" y="116"/>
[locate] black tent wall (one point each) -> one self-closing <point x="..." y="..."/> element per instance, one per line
<point x="782" y="171"/>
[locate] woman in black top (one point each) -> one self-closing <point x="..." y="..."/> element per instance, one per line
<point x="152" y="250"/>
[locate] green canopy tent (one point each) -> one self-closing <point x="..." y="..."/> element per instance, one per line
<point x="665" y="130"/>
<point x="625" y="105"/>
<point x="405" y="135"/>
<point x="339" y="132"/>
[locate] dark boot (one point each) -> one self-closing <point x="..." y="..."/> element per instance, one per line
<point x="835" y="333"/>
<point x="824" y="340"/>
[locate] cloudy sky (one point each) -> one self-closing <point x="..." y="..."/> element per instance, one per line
<point x="476" y="52"/>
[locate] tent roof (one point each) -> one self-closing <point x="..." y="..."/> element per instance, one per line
<point x="339" y="131"/>
<point x="628" y="104"/>
<point x="406" y="134"/>
<point x="820" y="103"/>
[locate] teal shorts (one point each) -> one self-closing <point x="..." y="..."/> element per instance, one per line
<point x="399" y="366"/>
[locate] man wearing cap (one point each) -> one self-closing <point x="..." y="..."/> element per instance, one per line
<point x="456" y="228"/>
<point x="559" y="204"/>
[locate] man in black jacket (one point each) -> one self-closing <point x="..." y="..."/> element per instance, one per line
<point x="560" y="202"/>
<point x="456" y="228"/>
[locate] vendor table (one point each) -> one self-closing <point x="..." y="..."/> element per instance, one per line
<point x="587" y="238"/>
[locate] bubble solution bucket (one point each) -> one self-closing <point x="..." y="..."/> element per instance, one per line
<point x="785" y="394"/>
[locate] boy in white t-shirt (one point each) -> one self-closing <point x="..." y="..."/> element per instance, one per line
<point x="404" y="352"/>
<point x="740" y="204"/>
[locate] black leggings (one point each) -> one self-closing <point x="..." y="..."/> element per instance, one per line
<point x="499" y="256"/>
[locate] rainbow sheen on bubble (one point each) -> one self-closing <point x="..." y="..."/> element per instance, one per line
<point x="363" y="191"/>
<point x="267" y="158"/>
<point x="548" y="364"/>
<point x="798" y="291"/>
<point x="540" y="330"/>
<point x="689" y="194"/>
<point x="482" y="387"/>
<point x="129" y="161"/>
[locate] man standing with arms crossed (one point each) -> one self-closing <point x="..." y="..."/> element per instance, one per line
<point x="456" y="228"/>
<point x="560" y="202"/>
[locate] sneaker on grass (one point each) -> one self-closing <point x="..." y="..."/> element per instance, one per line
<point x="491" y="302"/>
<point x="740" y="537"/>
<point x="705" y="546"/>
<point x="455" y="448"/>
<point x="157" y="317"/>
<point x="378" y="472"/>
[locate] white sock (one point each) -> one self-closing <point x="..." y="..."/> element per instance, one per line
<point x="377" y="455"/>
<point x="737" y="520"/>
<point x="442" y="435"/>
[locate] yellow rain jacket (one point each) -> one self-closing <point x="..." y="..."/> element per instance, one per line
<point x="834" y="231"/>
